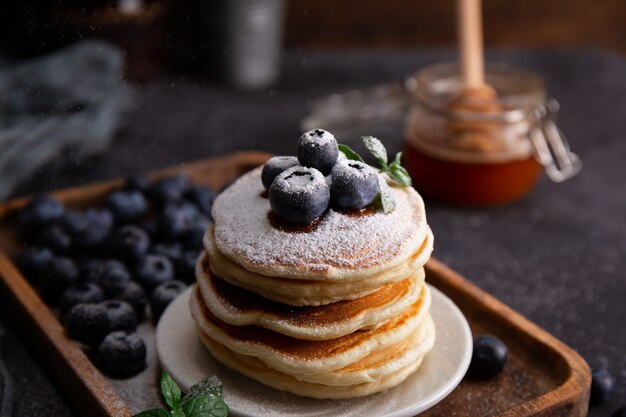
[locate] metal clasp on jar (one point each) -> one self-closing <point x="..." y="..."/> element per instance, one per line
<point x="551" y="147"/>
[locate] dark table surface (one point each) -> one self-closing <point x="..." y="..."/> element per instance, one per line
<point x="558" y="256"/>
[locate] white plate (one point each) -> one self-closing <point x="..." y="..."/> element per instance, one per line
<point x="183" y="356"/>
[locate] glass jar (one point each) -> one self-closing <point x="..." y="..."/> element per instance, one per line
<point x="488" y="154"/>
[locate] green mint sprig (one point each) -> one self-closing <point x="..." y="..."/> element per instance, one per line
<point x="394" y="170"/>
<point x="203" y="400"/>
<point x="384" y="200"/>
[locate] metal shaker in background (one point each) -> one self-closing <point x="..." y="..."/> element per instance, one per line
<point x="246" y="40"/>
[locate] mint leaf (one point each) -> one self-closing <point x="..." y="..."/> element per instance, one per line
<point x="386" y="197"/>
<point x="396" y="160"/>
<point x="178" y="413"/>
<point x="155" y="412"/>
<point x="399" y="174"/>
<point x="210" y="386"/>
<point x="377" y="149"/>
<point x="170" y="391"/>
<point x="205" y="406"/>
<point x="350" y="153"/>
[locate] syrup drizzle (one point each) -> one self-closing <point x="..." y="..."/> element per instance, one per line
<point x="284" y="226"/>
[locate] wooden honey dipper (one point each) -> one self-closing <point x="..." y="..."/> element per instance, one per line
<point x="474" y="95"/>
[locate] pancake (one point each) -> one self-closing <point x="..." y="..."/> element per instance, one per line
<point x="239" y="307"/>
<point x="299" y="292"/>
<point x="333" y="309"/>
<point x="377" y="375"/>
<point x="302" y="357"/>
<point x="340" y="247"/>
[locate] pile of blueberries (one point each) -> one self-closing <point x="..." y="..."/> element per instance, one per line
<point x="102" y="266"/>
<point x="301" y="189"/>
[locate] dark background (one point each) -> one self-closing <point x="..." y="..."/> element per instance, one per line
<point x="174" y="36"/>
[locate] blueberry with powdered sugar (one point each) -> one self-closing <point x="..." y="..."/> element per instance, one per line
<point x="121" y="315"/>
<point x="87" y="323"/>
<point x="109" y="275"/>
<point x="354" y="185"/>
<point x="123" y="353"/>
<point x="133" y="294"/>
<point x="129" y="243"/>
<point x="299" y="195"/>
<point x="276" y="166"/>
<point x="163" y="295"/>
<point x="318" y="149"/>
<point x="83" y="292"/>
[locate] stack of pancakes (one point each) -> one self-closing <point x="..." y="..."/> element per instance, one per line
<point x="338" y="309"/>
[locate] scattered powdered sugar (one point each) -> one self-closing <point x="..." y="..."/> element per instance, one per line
<point x="338" y="245"/>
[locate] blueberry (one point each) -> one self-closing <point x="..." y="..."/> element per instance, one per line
<point x="172" y="250"/>
<point x="99" y="225"/>
<point x="620" y="412"/>
<point x="275" y="166"/>
<point x="133" y="294"/>
<point x="87" y="323"/>
<point x="74" y="223"/>
<point x="84" y="292"/>
<point x="178" y="220"/>
<point x="62" y="272"/>
<point x="185" y="266"/>
<point x="354" y="185"/>
<point x="151" y="227"/>
<point x="129" y="243"/>
<point x="34" y="263"/>
<point x="202" y="197"/>
<point x="123" y="353"/>
<point x="109" y="275"/>
<point x="55" y="238"/>
<point x="41" y="211"/>
<point x="163" y="295"/>
<point x="489" y="356"/>
<point x="88" y="229"/>
<point x="318" y="149"/>
<point x="299" y="195"/>
<point x="170" y="190"/>
<point x="602" y="384"/>
<point x="153" y="271"/>
<point x="137" y="182"/>
<point x="127" y="206"/>
<point x="87" y="265"/>
<point x="121" y="314"/>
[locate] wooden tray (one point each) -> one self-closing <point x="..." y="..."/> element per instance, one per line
<point x="543" y="376"/>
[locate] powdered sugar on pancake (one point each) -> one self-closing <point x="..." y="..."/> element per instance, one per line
<point x="339" y="246"/>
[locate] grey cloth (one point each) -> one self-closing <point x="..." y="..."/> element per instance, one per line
<point x="60" y="108"/>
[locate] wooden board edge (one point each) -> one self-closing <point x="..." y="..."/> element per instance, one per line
<point x="571" y="398"/>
